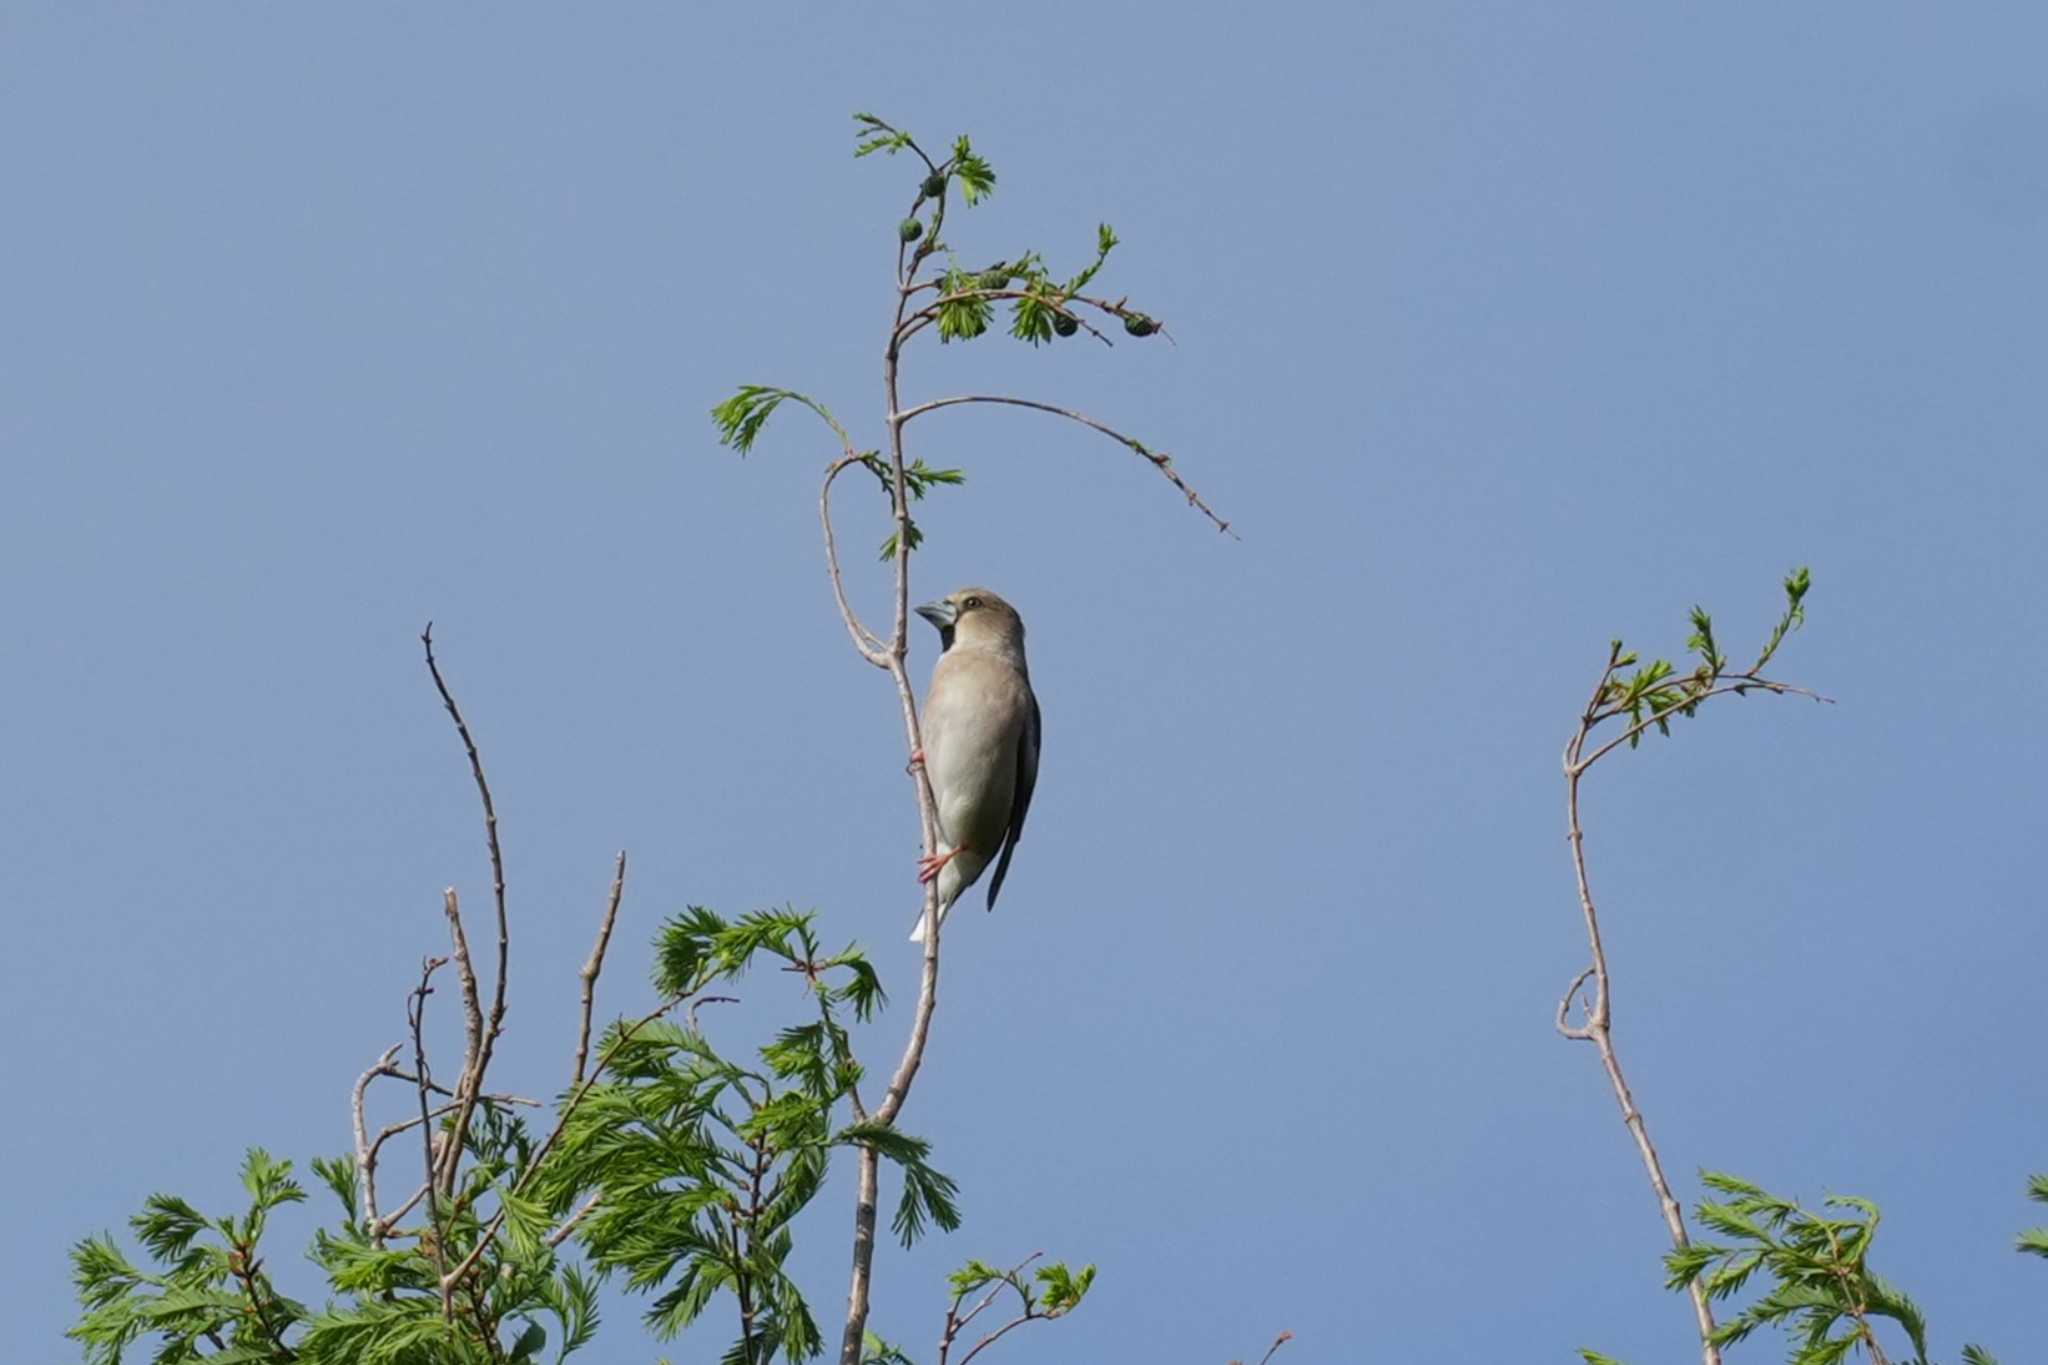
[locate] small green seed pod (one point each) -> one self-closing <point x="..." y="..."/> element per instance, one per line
<point x="1064" y="325"/>
<point x="910" y="230"/>
<point x="994" y="279"/>
<point x="1138" y="325"/>
<point x="934" y="186"/>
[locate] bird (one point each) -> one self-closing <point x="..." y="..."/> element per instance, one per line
<point x="981" y="741"/>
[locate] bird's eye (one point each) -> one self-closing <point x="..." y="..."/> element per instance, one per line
<point x="970" y="604"/>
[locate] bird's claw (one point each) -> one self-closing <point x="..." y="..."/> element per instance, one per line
<point x="930" y="867"/>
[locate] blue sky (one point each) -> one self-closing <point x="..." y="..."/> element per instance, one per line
<point x="1502" y="330"/>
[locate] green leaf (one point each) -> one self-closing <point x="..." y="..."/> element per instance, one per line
<point x="971" y="1277"/>
<point x="269" y="1181"/>
<point x="1061" y="1289"/>
<point x="873" y="135"/>
<point x="977" y="178"/>
<point x="1592" y="1357"/>
<point x="339" y="1173"/>
<point x="682" y="950"/>
<point x="914" y="536"/>
<point x="741" y="417"/>
<point x="875" y="1351"/>
<point x="167" y="1226"/>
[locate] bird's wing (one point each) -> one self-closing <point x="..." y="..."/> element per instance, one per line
<point x="1020" y="803"/>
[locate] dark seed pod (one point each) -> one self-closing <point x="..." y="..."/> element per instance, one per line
<point x="934" y="186"/>
<point x="1138" y="325"/>
<point x="994" y="279"/>
<point x="910" y="230"/>
<point x="1064" y="325"/>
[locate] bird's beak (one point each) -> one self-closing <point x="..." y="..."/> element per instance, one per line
<point x="940" y="614"/>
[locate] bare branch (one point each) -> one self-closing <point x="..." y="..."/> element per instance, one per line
<point x="864" y="639"/>
<point x="391" y="1220"/>
<point x="366" y="1155"/>
<point x="1564" y="1009"/>
<point x="1158" y="459"/>
<point x="473" y="1027"/>
<point x="1278" y="1342"/>
<point x="561" y="1234"/>
<point x="416" y="1012"/>
<point x="479" y="1061"/>
<point x="595" y="964"/>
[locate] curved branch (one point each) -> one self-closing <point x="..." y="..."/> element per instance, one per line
<point x="1158" y="459"/>
<point x="1743" y="683"/>
<point x="366" y="1155"/>
<point x="480" y="1060"/>
<point x="863" y="639"/>
<point x="1564" y="1009"/>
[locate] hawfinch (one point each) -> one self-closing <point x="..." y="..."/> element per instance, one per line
<point x="980" y="742"/>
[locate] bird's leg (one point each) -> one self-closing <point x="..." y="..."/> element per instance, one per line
<point x="928" y="868"/>
<point x="916" y="760"/>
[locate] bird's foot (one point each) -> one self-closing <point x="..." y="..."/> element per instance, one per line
<point x="916" y="760"/>
<point x="928" y="868"/>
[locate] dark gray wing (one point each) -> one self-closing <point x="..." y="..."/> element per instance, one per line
<point x="1020" y="803"/>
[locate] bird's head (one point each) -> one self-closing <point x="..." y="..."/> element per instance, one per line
<point x="975" y="618"/>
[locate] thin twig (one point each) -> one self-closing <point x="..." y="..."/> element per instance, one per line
<point x="416" y="1012"/>
<point x="392" y="1130"/>
<point x="1598" y="1030"/>
<point x="392" y="1219"/>
<point x="863" y="639"/>
<point x="473" y="1029"/>
<point x="595" y="964"/>
<point x="366" y="1154"/>
<point x="956" y="1322"/>
<point x="1158" y="459"/>
<point x="1744" y="683"/>
<point x="561" y="1234"/>
<point x="1278" y="1342"/>
<point x="476" y="1066"/>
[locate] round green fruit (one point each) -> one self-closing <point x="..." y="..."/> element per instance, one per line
<point x="1138" y="325"/>
<point x="910" y="230"/>
<point x="934" y="186"/>
<point x="1064" y="325"/>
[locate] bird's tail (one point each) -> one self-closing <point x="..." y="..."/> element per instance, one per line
<point x="917" y="930"/>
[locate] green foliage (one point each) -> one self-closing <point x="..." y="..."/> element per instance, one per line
<point x="2034" y="1241"/>
<point x="700" y="1163"/>
<point x="963" y="310"/>
<point x="875" y="1351"/>
<point x="208" y="1294"/>
<point x="873" y="135"/>
<point x="977" y="178"/>
<point x="918" y="480"/>
<point x="1822" y="1292"/>
<point x="1656" y="692"/>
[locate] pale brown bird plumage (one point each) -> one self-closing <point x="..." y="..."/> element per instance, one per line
<point x="981" y="741"/>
